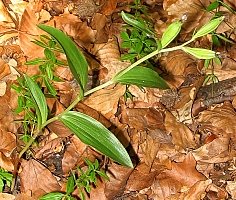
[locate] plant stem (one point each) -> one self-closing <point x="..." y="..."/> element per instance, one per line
<point x="112" y="81"/>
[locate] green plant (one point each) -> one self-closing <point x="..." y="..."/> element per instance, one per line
<point x="5" y="179"/>
<point x="89" y="130"/>
<point x="81" y="180"/>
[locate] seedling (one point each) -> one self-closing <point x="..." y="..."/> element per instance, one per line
<point x="83" y="180"/>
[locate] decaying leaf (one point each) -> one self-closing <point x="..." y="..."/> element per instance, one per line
<point x="36" y="180"/>
<point x="182" y="136"/>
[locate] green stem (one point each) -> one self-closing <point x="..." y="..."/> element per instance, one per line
<point x="112" y="81"/>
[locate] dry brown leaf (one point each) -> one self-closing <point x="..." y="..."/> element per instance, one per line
<point x="73" y="153"/>
<point x="4" y="69"/>
<point x="143" y="118"/>
<point x="109" y="56"/>
<point x="118" y="176"/>
<point x="106" y="100"/>
<point x="214" y="152"/>
<point x="184" y="172"/>
<point x="222" y="118"/>
<point x="6" y="163"/>
<point x="28" y="32"/>
<point x="37" y="180"/>
<point x="108" y="7"/>
<point x="99" y="24"/>
<point x="99" y="191"/>
<point x="192" y="11"/>
<point x="60" y="129"/>
<point x="5" y="17"/>
<point x="5" y="196"/>
<point x="231" y="188"/>
<point x="7" y="142"/>
<point x="182" y="136"/>
<point x="142" y="177"/>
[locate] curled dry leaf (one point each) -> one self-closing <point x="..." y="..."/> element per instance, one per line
<point x="6" y="163"/>
<point x="182" y="136"/>
<point x="36" y="179"/>
<point x="106" y="100"/>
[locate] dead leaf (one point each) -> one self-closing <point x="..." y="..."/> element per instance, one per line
<point x="106" y="100"/>
<point x="6" y="163"/>
<point x="5" y="17"/>
<point x="5" y="196"/>
<point x="143" y="118"/>
<point x="7" y="142"/>
<point x="185" y="172"/>
<point x="37" y="180"/>
<point x="73" y="154"/>
<point x="29" y="32"/>
<point x="118" y="176"/>
<point x="182" y="136"/>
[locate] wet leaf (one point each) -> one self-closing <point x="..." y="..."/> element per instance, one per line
<point x="93" y="133"/>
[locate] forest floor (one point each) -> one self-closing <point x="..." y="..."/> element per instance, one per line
<point x="182" y="141"/>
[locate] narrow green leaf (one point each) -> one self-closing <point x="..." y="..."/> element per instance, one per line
<point x="170" y="33"/>
<point x="142" y="76"/>
<point x="200" y="53"/>
<point x="76" y="60"/>
<point x="93" y="133"/>
<point x="129" y="19"/>
<point x="52" y="196"/>
<point x="70" y="185"/>
<point x="38" y="97"/>
<point x="50" y="87"/>
<point x="35" y="61"/>
<point x="208" y="28"/>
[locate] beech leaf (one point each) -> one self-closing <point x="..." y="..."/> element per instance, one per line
<point x="76" y="60"/>
<point x="141" y="76"/>
<point x="93" y="133"/>
<point x="39" y="98"/>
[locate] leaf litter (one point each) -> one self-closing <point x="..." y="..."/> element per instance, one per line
<point x="177" y="155"/>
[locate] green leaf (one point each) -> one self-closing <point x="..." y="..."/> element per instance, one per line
<point x="39" y="99"/>
<point x="76" y="60"/>
<point x="52" y="196"/>
<point x="49" y="86"/>
<point x="70" y="185"/>
<point x="129" y="19"/>
<point x="142" y="76"/>
<point x="35" y="61"/>
<point x="170" y="33"/>
<point x="93" y="133"/>
<point x="208" y="28"/>
<point x="200" y="53"/>
<point x="213" y="6"/>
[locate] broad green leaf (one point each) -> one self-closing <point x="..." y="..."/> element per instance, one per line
<point x="129" y="19"/>
<point x="170" y="33"/>
<point x="93" y="133"/>
<point x="141" y="76"/>
<point x="76" y="60"/>
<point x="200" y="53"/>
<point x="39" y="99"/>
<point x="208" y="28"/>
<point x="52" y="196"/>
